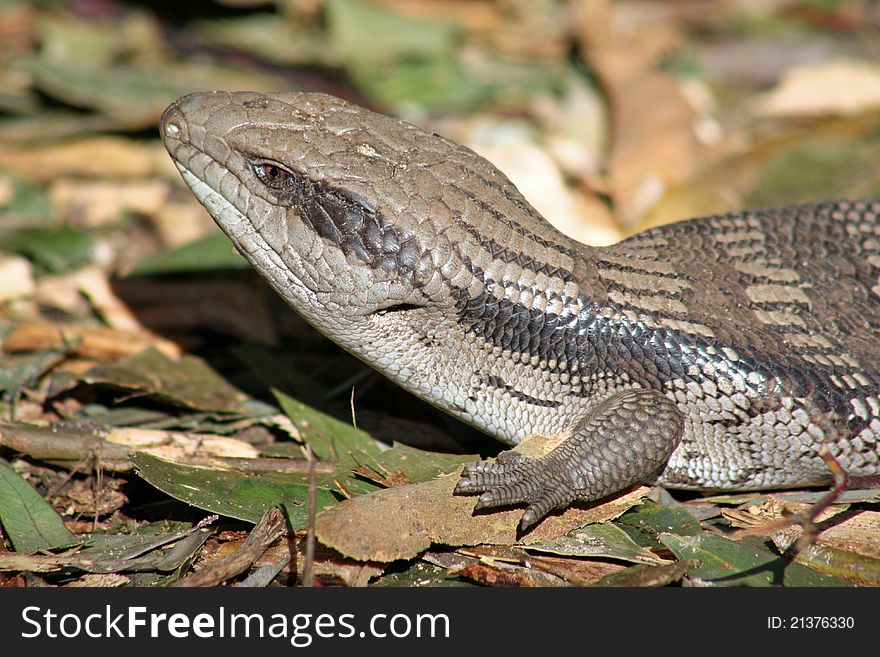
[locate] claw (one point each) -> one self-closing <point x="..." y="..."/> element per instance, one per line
<point x="511" y="480"/>
<point x="464" y="485"/>
<point x="529" y="518"/>
<point x="540" y="508"/>
<point x="487" y="500"/>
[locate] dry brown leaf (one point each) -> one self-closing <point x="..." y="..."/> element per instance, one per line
<point x="579" y="572"/>
<point x="858" y="533"/>
<point x="576" y="571"/>
<point x="34" y="563"/>
<point x="97" y="203"/>
<point x="755" y="516"/>
<point x="61" y="292"/>
<point x="768" y="513"/>
<point x="329" y="566"/>
<point x="66" y="291"/>
<point x="96" y="342"/>
<point x="179" y="446"/>
<point x="17" y="28"/>
<point x="92" y="282"/>
<point x="400" y="522"/>
<point x="838" y="87"/>
<point x="653" y="140"/>
<point x="99" y="580"/>
<point x="94" y="157"/>
<point x="540" y="180"/>
<point x="79" y="497"/>
<point x="501" y="574"/>
<point x="179" y="222"/>
<point x="7" y="190"/>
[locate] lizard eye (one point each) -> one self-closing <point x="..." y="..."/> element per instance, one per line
<point x="272" y="174"/>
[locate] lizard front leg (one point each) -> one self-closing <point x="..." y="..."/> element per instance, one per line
<point x="624" y="440"/>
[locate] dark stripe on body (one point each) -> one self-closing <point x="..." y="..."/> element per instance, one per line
<point x="582" y="345"/>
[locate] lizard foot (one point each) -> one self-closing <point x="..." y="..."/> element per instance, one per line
<point x="625" y="439"/>
<point x="514" y="478"/>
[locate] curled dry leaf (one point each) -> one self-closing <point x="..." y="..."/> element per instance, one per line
<point x="851" y="531"/>
<point x="82" y="497"/>
<point x="400" y="522"/>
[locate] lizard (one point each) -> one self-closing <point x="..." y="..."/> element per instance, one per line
<point x="726" y="352"/>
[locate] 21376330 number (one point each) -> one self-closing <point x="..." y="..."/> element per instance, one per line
<point x="811" y="623"/>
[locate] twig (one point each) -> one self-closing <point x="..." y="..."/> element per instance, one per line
<point x="64" y="444"/>
<point x="807" y="519"/>
<point x="308" y="564"/>
<point x="271" y="527"/>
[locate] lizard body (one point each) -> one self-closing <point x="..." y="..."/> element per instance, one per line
<point x="717" y="353"/>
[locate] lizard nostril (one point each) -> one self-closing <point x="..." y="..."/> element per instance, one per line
<point x="173" y="124"/>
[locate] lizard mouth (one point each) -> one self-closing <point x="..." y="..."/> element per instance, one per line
<point x="397" y="308"/>
<point x="248" y="242"/>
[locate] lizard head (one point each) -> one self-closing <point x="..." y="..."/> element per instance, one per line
<point x="396" y="243"/>
<point x="339" y="208"/>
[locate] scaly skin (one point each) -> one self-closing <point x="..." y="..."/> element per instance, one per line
<point x="719" y="352"/>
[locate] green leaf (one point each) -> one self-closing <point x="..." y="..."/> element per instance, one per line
<point x="135" y="95"/>
<point x="820" y="168"/>
<point x="414" y="61"/>
<point x="140" y="541"/>
<point x="416" y="465"/>
<point x="335" y="440"/>
<point x="742" y="563"/>
<point x="188" y="382"/>
<point x="164" y="553"/>
<point x="645" y="575"/>
<point x="440" y="85"/>
<point x="30" y="523"/>
<point x="354" y="28"/>
<point x="422" y="575"/>
<point x="29" y="206"/>
<point x="852" y="566"/>
<point x="214" y="252"/>
<point x="329" y="438"/>
<point x="419" y="464"/>
<point x="22" y="370"/>
<point x="231" y="493"/>
<point x="270" y="39"/>
<point x="40" y="127"/>
<point x="55" y="250"/>
<point x="598" y="540"/>
<point x="645" y="522"/>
